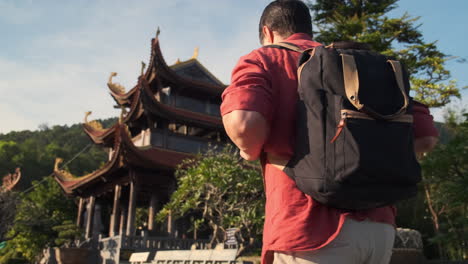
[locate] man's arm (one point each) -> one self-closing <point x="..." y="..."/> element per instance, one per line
<point x="248" y="106"/>
<point x="248" y="130"/>
<point x="425" y="133"/>
<point x="425" y="144"/>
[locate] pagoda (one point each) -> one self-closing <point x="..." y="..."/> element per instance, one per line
<point x="171" y="114"/>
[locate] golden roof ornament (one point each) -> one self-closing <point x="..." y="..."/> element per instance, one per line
<point x="67" y="174"/>
<point x="157" y="33"/>
<point x="94" y="124"/>
<point x="177" y="61"/>
<point x="143" y="67"/>
<point x="195" y="53"/>
<point x="115" y="87"/>
<point x="58" y="161"/>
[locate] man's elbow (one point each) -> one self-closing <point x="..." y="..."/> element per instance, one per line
<point x="425" y="144"/>
<point x="236" y="126"/>
<point x="246" y="129"/>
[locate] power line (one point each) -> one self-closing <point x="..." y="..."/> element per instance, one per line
<point x="61" y="167"/>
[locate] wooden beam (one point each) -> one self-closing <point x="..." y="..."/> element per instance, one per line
<point x="152" y="211"/>
<point x="115" y="211"/>
<point x="79" y="218"/>
<point x="90" y="216"/>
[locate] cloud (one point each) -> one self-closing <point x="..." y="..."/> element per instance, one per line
<point x="60" y="73"/>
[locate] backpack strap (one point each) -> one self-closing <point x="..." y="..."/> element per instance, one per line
<point x="286" y="45"/>
<point x="351" y="83"/>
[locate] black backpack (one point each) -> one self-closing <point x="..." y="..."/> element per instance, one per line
<point x="354" y="141"/>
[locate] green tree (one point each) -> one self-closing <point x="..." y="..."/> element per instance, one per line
<point x="67" y="233"/>
<point x="220" y="190"/>
<point x="445" y="184"/>
<point x="39" y="211"/>
<point x="35" y="151"/>
<point x="8" y="203"/>
<point x="368" y="21"/>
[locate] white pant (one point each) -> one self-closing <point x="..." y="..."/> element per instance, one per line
<point x="358" y="243"/>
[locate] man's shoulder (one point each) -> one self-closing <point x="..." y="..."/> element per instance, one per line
<point x="302" y="44"/>
<point x="264" y="55"/>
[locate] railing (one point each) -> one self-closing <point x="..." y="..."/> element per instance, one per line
<point x="161" y="243"/>
<point x="182" y="143"/>
<point x="110" y="242"/>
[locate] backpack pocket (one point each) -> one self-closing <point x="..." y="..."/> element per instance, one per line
<point x="375" y="152"/>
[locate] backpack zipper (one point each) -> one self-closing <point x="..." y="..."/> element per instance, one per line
<point x="345" y="114"/>
<point x="340" y="126"/>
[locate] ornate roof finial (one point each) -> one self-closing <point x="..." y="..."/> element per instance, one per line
<point x="94" y="124"/>
<point x="58" y="161"/>
<point x="115" y="87"/>
<point x="177" y="61"/>
<point x="158" y="32"/>
<point x="195" y="53"/>
<point x="87" y="113"/>
<point x="143" y="67"/>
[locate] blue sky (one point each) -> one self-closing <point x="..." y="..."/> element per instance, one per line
<point x="56" y="56"/>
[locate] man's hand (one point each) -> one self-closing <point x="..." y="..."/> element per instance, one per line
<point x="247" y="156"/>
<point x="248" y="130"/>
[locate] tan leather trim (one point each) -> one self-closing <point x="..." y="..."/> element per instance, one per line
<point x="299" y="70"/>
<point x="355" y="114"/>
<point x="288" y="46"/>
<point x="351" y="85"/>
<point x="277" y="161"/>
<point x="397" y="69"/>
<point x="351" y="80"/>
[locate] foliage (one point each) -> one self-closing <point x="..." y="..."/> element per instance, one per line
<point x="8" y="204"/>
<point x="445" y="183"/>
<point x="35" y="152"/>
<point x="220" y="190"/>
<point x="367" y="21"/>
<point x="37" y="214"/>
<point x="67" y="233"/>
<point x="44" y="207"/>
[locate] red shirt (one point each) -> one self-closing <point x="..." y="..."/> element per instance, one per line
<point x="265" y="81"/>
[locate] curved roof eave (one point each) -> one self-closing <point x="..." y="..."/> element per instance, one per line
<point x="151" y="158"/>
<point x="69" y="182"/>
<point x="159" y="66"/>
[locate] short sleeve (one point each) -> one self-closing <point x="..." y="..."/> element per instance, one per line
<point x="423" y="122"/>
<point x="250" y="88"/>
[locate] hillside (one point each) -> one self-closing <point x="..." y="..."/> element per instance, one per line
<point x="35" y="151"/>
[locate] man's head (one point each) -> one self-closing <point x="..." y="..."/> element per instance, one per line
<point x="282" y="18"/>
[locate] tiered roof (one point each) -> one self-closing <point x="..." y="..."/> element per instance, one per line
<point x="138" y="105"/>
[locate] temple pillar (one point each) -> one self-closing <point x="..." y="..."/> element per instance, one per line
<point x="170" y="225"/>
<point x="123" y="220"/>
<point x="170" y="219"/>
<point x="79" y="218"/>
<point x="131" y="208"/>
<point x="90" y="216"/>
<point x="115" y="211"/>
<point x="152" y="211"/>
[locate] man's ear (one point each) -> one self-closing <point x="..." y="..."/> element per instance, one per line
<point x="268" y="36"/>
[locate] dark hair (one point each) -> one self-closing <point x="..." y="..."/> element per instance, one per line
<point x="286" y="17"/>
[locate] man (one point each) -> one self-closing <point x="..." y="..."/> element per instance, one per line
<point x="258" y="112"/>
